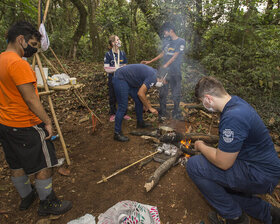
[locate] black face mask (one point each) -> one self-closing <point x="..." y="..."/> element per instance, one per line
<point x="29" y="51"/>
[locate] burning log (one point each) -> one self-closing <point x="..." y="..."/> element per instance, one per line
<point x="154" y="179"/>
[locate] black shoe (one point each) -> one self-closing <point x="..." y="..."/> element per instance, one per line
<point x="28" y="200"/>
<point x="275" y="214"/>
<point x="53" y="206"/>
<point x="120" y="137"/>
<point x="214" y="218"/>
<point x="142" y="124"/>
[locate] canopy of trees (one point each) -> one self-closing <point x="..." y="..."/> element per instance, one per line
<point x="237" y="41"/>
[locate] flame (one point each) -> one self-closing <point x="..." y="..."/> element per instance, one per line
<point x="186" y="143"/>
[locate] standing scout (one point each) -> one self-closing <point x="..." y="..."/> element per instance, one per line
<point x="113" y="60"/>
<point x="25" y="127"/>
<point x="172" y="53"/>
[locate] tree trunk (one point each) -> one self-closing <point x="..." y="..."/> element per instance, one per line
<point x="80" y="29"/>
<point x="197" y="32"/>
<point x="146" y="9"/>
<point x="132" y="53"/>
<point x="93" y="29"/>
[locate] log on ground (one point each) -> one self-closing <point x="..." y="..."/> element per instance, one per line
<point x="154" y="179"/>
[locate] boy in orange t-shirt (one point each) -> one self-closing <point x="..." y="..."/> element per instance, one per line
<point x="25" y="127"/>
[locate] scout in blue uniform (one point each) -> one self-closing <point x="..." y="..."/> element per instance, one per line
<point x="134" y="80"/>
<point x="113" y="60"/>
<point x="172" y="54"/>
<point x="244" y="164"/>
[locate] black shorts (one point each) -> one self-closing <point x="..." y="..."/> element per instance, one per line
<point x="27" y="149"/>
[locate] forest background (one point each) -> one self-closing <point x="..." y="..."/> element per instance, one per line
<point x="237" y="41"/>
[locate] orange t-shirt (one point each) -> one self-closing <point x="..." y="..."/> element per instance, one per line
<point x="15" y="71"/>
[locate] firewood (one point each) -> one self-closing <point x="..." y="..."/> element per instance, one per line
<point x="154" y="179"/>
<point x="205" y="114"/>
<point x="150" y="138"/>
<point x="204" y="137"/>
<point x="185" y="105"/>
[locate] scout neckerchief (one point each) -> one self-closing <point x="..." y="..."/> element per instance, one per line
<point x="117" y="64"/>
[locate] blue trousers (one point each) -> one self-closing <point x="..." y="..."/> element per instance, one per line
<point x="174" y="82"/>
<point x="122" y="91"/>
<point x="233" y="190"/>
<point x="112" y="97"/>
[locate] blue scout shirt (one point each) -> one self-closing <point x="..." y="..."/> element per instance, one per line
<point x="241" y="129"/>
<point x="170" y="47"/>
<point x="109" y="58"/>
<point x="137" y="74"/>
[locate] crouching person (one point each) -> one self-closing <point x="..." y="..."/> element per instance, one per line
<point x="25" y="128"/>
<point x="244" y="164"/>
<point x="133" y="80"/>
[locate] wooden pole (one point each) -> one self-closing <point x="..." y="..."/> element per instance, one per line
<point x="65" y="71"/>
<point x="104" y="179"/>
<point x="46" y="93"/>
<point x="49" y="62"/>
<point x="80" y="98"/>
<point x="39" y="13"/>
<point x="33" y="63"/>
<point x="52" y="110"/>
<point x="46" y="11"/>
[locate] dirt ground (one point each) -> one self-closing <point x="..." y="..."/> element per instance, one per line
<point x="95" y="154"/>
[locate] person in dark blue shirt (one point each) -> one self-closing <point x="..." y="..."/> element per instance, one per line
<point x="172" y="54"/>
<point x="134" y="80"/>
<point x="113" y="60"/>
<point x="244" y="164"/>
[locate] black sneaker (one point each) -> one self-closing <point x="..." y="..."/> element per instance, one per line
<point x="214" y="218"/>
<point x="275" y="214"/>
<point x="28" y="200"/>
<point x="120" y="137"/>
<point x="53" y="206"/>
<point x="143" y="124"/>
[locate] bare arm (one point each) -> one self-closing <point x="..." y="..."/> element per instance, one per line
<point x="170" y="61"/>
<point x="33" y="102"/>
<point x="223" y="160"/>
<point x="142" y="95"/>
<point x="154" y="59"/>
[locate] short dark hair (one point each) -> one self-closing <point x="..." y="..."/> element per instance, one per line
<point x="209" y="85"/>
<point x="167" y="27"/>
<point x="22" y="28"/>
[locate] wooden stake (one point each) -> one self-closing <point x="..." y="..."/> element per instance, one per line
<point x="52" y="109"/>
<point x="80" y="98"/>
<point x="104" y="179"/>
<point x="65" y="71"/>
<point x="46" y="11"/>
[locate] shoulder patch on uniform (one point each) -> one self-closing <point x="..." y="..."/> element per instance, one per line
<point x="228" y="135"/>
<point x="182" y="47"/>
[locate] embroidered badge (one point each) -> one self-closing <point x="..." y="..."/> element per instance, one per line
<point x="182" y="47"/>
<point x="228" y="135"/>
